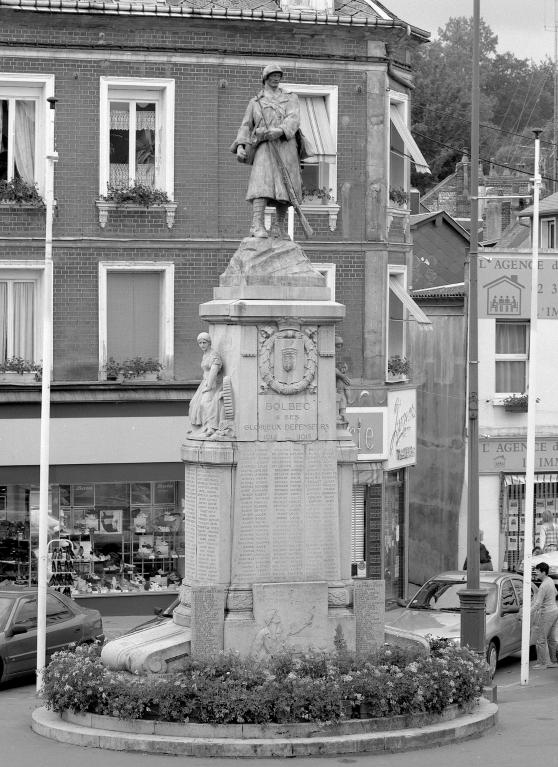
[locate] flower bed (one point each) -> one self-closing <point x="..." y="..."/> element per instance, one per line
<point x="284" y="689"/>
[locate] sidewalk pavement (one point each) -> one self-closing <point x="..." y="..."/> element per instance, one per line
<point x="526" y="731"/>
<point x="116" y="625"/>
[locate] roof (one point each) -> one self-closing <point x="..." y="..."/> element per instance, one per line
<point x="547" y="206"/>
<point x="420" y="218"/>
<point x="457" y="290"/>
<point x="367" y="13"/>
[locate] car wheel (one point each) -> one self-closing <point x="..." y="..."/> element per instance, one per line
<point x="492" y="658"/>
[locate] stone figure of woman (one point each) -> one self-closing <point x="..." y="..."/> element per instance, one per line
<point x="206" y="404"/>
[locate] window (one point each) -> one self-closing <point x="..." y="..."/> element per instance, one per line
<point x="56" y="611"/>
<point x="136" y="312"/>
<point x="399" y="306"/>
<point x="318" y="122"/>
<point x="512" y="344"/>
<point x="402" y="146"/>
<point x="19" y="311"/>
<point x="26" y="615"/>
<point x="508" y="595"/>
<point x="23" y="122"/>
<point x="548" y="233"/>
<point x="137" y="133"/>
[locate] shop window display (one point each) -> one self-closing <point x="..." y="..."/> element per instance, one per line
<point x="103" y="537"/>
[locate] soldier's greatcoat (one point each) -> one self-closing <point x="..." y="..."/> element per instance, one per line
<point x="281" y="110"/>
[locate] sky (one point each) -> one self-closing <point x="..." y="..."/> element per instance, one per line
<point x="524" y="27"/>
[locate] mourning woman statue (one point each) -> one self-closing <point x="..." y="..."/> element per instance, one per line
<point x="206" y="404"/>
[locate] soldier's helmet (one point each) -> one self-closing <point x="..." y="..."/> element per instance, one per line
<point x="269" y="69"/>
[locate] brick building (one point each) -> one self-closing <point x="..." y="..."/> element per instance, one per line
<point x="154" y="93"/>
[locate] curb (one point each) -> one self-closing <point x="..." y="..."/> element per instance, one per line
<point x="50" y="725"/>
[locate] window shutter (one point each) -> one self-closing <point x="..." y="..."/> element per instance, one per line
<point x="133" y="314"/>
<point x="357" y="525"/>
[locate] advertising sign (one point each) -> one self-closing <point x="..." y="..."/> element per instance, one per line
<point x="368" y="425"/>
<point x="509" y="454"/>
<point x="402" y="428"/>
<point x="504" y="286"/>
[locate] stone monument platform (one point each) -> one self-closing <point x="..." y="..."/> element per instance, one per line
<point x="268" y="469"/>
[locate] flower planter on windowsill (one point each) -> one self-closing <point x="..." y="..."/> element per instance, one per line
<point x="315" y="206"/>
<point x="104" y="206"/>
<point x="17" y="379"/>
<point x="520" y="407"/>
<point x="14" y="204"/>
<point x="392" y="378"/>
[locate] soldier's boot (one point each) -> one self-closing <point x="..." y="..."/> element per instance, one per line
<point x="281" y="211"/>
<point x="258" y="211"/>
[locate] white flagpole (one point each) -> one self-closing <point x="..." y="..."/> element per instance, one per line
<point x="531" y="427"/>
<point x="51" y="158"/>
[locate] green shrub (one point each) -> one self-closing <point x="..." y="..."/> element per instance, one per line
<point x="19" y="191"/>
<point x="311" y="687"/>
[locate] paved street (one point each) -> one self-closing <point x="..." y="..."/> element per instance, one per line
<point x="526" y="731"/>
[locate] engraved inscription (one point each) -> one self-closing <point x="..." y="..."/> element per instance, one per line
<point x="208" y="616"/>
<point x="202" y="509"/>
<point x="369" y="613"/>
<point x="286" y="525"/>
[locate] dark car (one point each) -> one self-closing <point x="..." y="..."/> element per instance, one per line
<point x="66" y="623"/>
<point x="435" y="611"/>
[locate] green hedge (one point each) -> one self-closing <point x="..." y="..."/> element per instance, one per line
<point x="283" y="689"/>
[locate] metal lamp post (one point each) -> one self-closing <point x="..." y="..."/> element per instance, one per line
<point x="472" y="599"/>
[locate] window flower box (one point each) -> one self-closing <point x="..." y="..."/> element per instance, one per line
<point x="105" y="206"/>
<point x="135" y="198"/>
<point x="517" y="403"/>
<point x="399" y="368"/>
<point x="17" y="371"/>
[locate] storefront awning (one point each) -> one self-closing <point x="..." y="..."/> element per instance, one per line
<point x="411" y="146"/>
<point x="519" y="479"/>
<point x="409" y="304"/>
<point x="316" y="128"/>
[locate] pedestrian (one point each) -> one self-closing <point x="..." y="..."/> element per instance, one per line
<point x="271" y="116"/>
<point x="548" y="535"/>
<point x="544" y="616"/>
<point x="484" y="555"/>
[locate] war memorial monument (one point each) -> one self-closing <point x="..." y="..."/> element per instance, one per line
<point x="269" y="461"/>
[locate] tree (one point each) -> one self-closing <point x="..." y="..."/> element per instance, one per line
<point x="514" y="95"/>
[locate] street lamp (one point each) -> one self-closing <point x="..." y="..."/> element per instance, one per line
<point x="472" y="599"/>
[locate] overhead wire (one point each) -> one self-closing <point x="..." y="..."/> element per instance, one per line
<point x="459" y="149"/>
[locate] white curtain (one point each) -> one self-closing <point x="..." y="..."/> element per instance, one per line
<point x="24" y="140"/>
<point x="3" y="320"/>
<point x="24" y="319"/>
<point x="511" y="338"/>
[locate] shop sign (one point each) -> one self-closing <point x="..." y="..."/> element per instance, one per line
<point x="504" y="286"/>
<point x="402" y="428"/>
<point x="368" y="425"/>
<point x="510" y="454"/>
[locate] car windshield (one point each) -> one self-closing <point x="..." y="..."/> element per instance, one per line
<point x="6" y="604"/>
<point x="443" y="595"/>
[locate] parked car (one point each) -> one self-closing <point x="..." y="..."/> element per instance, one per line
<point x="66" y="623"/>
<point x="435" y="611"/>
<point x="551" y="559"/>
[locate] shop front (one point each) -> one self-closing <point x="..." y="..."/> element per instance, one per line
<point x="502" y="491"/>
<point x="115" y="503"/>
<point x="386" y="441"/>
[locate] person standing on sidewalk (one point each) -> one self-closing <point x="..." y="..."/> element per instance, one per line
<point x="544" y="615"/>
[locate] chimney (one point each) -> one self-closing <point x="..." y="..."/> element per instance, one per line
<point x="414" y="201"/>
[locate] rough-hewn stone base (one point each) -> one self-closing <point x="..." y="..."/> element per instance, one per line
<point x="347" y="737"/>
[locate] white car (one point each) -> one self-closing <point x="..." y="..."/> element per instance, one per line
<point x="435" y="611"/>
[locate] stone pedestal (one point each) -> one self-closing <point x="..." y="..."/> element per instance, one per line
<point x="268" y="496"/>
